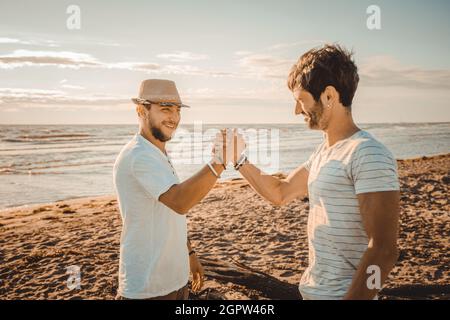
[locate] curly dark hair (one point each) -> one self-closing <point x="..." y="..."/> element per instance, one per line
<point x="330" y="65"/>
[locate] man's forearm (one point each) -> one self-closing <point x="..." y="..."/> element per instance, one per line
<point x="385" y="260"/>
<point x="191" y="191"/>
<point x="266" y="185"/>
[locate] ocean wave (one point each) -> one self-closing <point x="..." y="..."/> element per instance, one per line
<point x="48" y="138"/>
<point x="24" y="169"/>
<point x="59" y="146"/>
<point x="7" y="171"/>
<point x="36" y="141"/>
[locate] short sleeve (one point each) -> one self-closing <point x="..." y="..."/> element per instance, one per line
<point x="374" y="169"/>
<point x="152" y="175"/>
<point x="307" y="164"/>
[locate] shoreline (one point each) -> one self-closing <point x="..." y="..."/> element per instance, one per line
<point x="218" y="185"/>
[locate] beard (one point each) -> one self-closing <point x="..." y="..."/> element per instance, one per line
<point x="157" y="132"/>
<point x="316" y="117"/>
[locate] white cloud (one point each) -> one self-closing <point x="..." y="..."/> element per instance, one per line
<point x="75" y="60"/>
<point x="73" y="87"/>
<point x="182" y="56"/>
<point x="25" y="97"/>
<point x="45" y="43"/>
<point x="62" y="59"/>
<point x="265" y="66"/>
<point x="385" y="71"/>
<point x="134" y="66"/>
<point x="377" y="71"/>
<point x="13" y="41"/>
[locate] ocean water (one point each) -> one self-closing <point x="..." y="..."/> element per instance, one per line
<point x="40" y="164"/>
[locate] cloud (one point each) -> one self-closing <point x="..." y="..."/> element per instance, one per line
<point x="182" y="56"/>
<point x="46" y="43"/>
<point x="171" y="69"/>
<point x="134" y="66"/>
<point x="42" y="42"/>
<point x="265" y="66"/>
<point x="66" y="59"/>
<point x="13" y="41"/>
<point x="75" y="60"/>
<point x="386" y="71"/>
<point x="11" y="97"/>
<point x="73" y="87"/>
<point x="376" y="71"/>
<point x="29" y="98"/>
<point x="62" y="59"/>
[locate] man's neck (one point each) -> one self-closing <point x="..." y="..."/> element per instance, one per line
<point x="158" y="143"/>
<point x="340" y="129"/>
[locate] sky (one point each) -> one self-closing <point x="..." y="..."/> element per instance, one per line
<point x="229" y="59"/>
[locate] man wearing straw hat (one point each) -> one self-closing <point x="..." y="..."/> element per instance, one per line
<point x="155" y="253"/>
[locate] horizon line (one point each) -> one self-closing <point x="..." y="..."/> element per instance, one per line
<point x="207" y="123"/>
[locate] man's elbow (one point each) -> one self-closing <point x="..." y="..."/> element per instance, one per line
<point x="181" y="210"/>
<point x="173" y="200"/>
<point x="278" y="200"/>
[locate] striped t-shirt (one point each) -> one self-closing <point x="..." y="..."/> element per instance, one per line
<point x="336" y="236"/>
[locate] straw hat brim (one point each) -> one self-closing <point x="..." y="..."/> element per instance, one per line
<point x="142" y="101"/>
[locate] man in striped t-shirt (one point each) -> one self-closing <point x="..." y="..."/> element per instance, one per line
<point x="351" y="180"/>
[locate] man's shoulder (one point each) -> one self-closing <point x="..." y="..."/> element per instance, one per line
<point x="138" y="154"/>
<point x="133" y="152"/>
<point x="366" y="144"/>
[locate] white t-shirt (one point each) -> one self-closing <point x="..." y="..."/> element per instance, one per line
<point x="336" y="236"/>
<point x="154" y="257"/>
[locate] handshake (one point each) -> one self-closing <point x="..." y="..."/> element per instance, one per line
<point x="229" y="146"/>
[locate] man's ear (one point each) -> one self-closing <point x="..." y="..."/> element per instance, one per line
<point x="329" y="96"/>
<point x="140" y="110"/>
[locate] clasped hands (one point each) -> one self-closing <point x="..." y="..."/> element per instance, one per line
<point x="229" y="146"/>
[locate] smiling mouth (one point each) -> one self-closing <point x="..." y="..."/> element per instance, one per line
<point x="171" y="126"/>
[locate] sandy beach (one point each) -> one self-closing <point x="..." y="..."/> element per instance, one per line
<point x="250" y="249"/>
